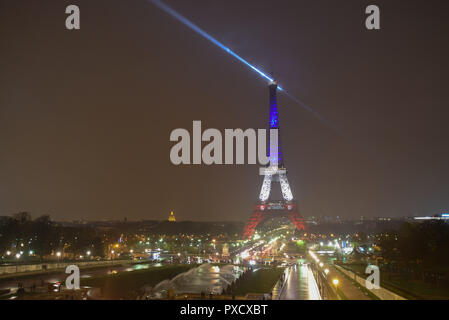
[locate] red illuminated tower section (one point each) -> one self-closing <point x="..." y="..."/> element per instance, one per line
<point x="274" y="172"/>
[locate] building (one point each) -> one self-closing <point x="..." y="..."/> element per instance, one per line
<point x="442" y="216"/>
<point x="172" y="218"/>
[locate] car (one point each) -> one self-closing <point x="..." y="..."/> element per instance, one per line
<point x="54" y="286"/>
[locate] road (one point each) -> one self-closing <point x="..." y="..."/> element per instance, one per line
<point x="300" y="285"/>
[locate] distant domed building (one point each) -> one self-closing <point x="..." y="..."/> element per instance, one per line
<point x="172" y="218"/>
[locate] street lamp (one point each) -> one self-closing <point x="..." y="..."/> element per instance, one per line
<point x="321" y="264"/>
<point x="335" y="282"/>
<point x="326" y="271"/>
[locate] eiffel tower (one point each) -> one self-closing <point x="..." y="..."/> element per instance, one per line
<point x="274" y="172"/>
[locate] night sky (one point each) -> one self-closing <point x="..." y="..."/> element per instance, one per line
<point x="85" y="116"/>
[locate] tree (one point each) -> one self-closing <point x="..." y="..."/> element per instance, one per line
<point x="45" y="235"/>
<point x="8" y="231"/>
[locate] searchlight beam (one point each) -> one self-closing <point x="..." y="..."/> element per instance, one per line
<point x="161" y="5"/>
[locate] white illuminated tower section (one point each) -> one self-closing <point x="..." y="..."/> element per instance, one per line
<point x="274" y="172"/>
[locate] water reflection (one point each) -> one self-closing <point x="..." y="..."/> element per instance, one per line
<point x="139" y="267"/>
<point x="205" y="278"/>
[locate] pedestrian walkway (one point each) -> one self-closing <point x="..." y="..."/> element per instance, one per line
<point x="300" y="285"/>
<point x="346" y="286"/>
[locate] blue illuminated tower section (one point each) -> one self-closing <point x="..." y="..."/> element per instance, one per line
<point x="274" y="120"/>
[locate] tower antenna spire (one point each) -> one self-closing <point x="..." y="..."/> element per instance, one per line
<point x="272" y="75"/>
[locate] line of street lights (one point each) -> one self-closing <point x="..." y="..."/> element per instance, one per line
<point x="335" y="281"/>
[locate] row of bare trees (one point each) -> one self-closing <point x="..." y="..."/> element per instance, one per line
<point x="41" y="236"/>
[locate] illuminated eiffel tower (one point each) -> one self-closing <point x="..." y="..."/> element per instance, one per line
<point x="274" y="172"/>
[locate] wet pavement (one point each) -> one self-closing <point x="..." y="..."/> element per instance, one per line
<point x="300" y="285"/>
